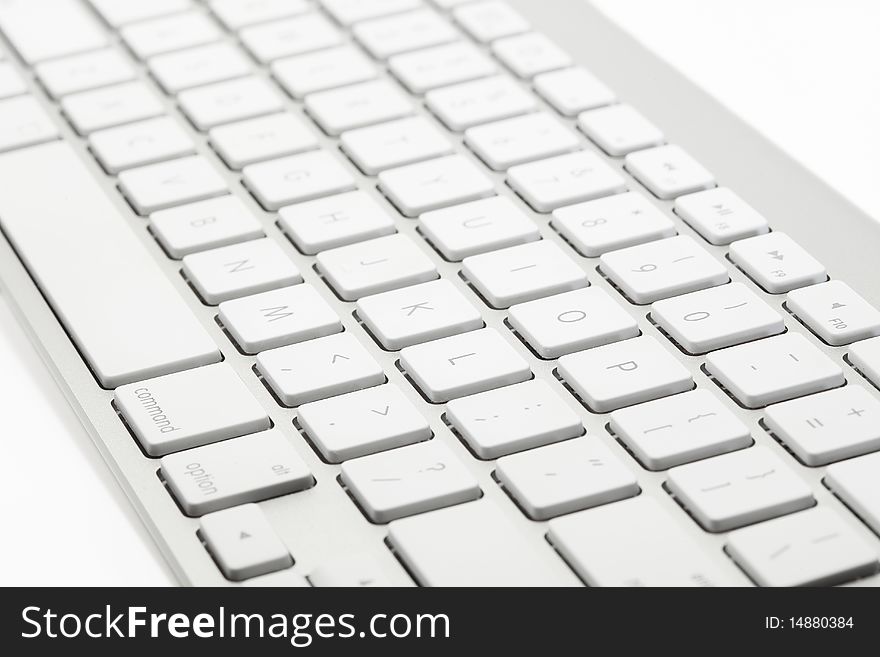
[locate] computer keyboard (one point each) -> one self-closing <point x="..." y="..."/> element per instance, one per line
<point x="394" y="292"/>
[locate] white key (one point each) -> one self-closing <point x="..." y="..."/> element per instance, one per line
<point x="408" y="480"/>
<point x="565" y="477"/>
<point x="720" y="216"/>
<point x="480" y="548"/>
<point x="830" y="426"/>
<point x="573" y="90"/>
<point x="668" y="171"/>
<point x="665" y="268"/>
<point x="110" y="106"/>
<point x="243" y="542"/>
<point x="612" y="223"/>
<point x="471" y="103"/>
<point x="434" y="184"/>
<point x="236" y="471"/>
<point x="394" y="144"/>
<point x="740" y="488"/>
<point x="296" y="178"/>
<point x="619" y="129"/>
<point x="278" y="317"/>
<point x="856" y="483"/>
<point x="439" y="66"/>
<point x="83" y="72"/>
<point x="293" y="36"/>
<point x="418" y="313"/>
<point x="383" y="37"/>
<point x="263" y="138"/>
<point x="350" y="571"/>
<point x="463" y="364"/>
<point x="334" y="221"/>
<point x="239" y="269"/>
<point x="521" y="139"/>
<point x="174" y="32"/>
<point x="675" y="430"/>
<point x="194" y="67"/>
<point x="236" y="14"/>
<point x="812" y="548"/>
<point x="118" y="13"/>
<point x="512" y="419"/>
<point x="572" y="321"/>
<point x="320" y="368"/>
<point x="607" y="547"/>
<point x="362" y="423"/>
<point x="137" y="144"/>
<point x="280" y="578"/>
<point x="357" y="105"/>
<point x="476" y="227"/>
<point x="624" y="373"/>
<point x="375" y="266"/>
<point x="866" y="357"/>
<point x="11" y="83"/>
<point x="565" y="179"/>
<point x="521" y="273"/>
<point x="39" y="31"/>
<point x="204" y="225"/>
<point x="835" y="312"/>
<point x="719" y="317"/>
<point x="24" y="122"/>
<point x="530" y="54"/>
<point x="777" y="263"/>
<point x="487" y="21"/>
<point x="158" y="186"/>
<point x="348" y="12"/>
<point x="774" y="369"/>
<point x="322" y="70"/>
<point x="189" y="409"/>
<point x="225" y="102"/>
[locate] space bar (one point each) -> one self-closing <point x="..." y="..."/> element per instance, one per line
<point x="124" y="315"/>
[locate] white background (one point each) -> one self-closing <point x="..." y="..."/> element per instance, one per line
<point x="804" y="72"/>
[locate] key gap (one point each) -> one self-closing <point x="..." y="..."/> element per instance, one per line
<point x="848" y="361"/>
<point x="155" y="237"/>
<point x="738" y="566"/>
<point x="617" y="287"/>
<point x="574" y="248"/>
<point x="564" y="560"/>
<point x="320" y="275"/>
<point x="396" y="555"/>
<point x="506" y="322"/>
<point x="824" y="482"/>
<point x="763" y="424"/>
<point x="431" y="243"/>
<point x="415" y="385"/>
<point x="131" y="431"/>
<point x="524" y="200"/>
<point x="192" y="287"/>
<point x="476" y="292"/>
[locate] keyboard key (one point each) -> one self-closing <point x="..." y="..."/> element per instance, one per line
<point x="835" y="312"/>
<point x="348" y="12"/>
<point x="71" y="28"/>
<point x="408" y="480"/>
<point x="719" y="317"/>
<point x="773" y="370"/>
<point x="334" y="221"/>
<point x="322" y="70"/>
<point x="563" y="180"/>
<point x="236" y="14"/>
<point x="102" y="108"/>
<point x="83" y="72"/>
<point x="320" y="368"/>
<point x="394" y="144"/>
<point x="521" y="139"/>
<point x="737" y="489"/>
<point x="24" y="122"/>
<point x="609" y="224"/>
<point x="292" y="36"/>
<point x="668" y="171"/>
<point x="776" y="263"/>
<point x="375" y="266"/>
<point x="529" y="54"/>
<point x="565" y="477"/>
<point x="811" y="548"/>
<point x="856" y="483"/>
<point x="263" y="138"/>
<point x="675" y="430"/>
<point x="357" y="105"/>
<point x="243" y="542"/>
<point x="523" y="273"/>
<point x="278" y="317"/>
<point x="237" y="471"/>
<point x="363" y="422"/>
<point x="512" y="419"/>
<point x="11" y="83"/>
<point x="434" y="184"/>
<point x="280" y="578"/>
<point x="296" y="178"/>
<point x="487" y="21"/>
<point x="159" y="186"/>
<point x="383" y="37"/>
<point x="572" y="321"/>
<point x="225" y="102"/>
<point x="418" y="313"/>
<point x="189" y="409"/>
<point x="573" y="90"/>
<point x="440" y="66"/>
<point x="865" y="356"/>
<point x="204" y="225"/>
<point x="720" y="216"/>
<point x="476" y="227"/>
<point x="620" y="129"/>
<point x="119" y="13"/>
<point x="167" y="33"/>
<point x="194" y="67"/>
<point x="830" y="426"/>
<point x="607" y="547"/>
<point x="137" y="144"/>
<point x="463" y="364"/>
<point x="471" y="103"/>
<point x="350" y="571"/>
